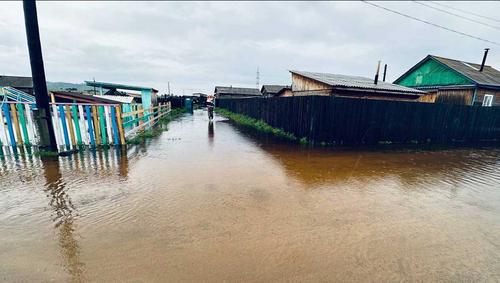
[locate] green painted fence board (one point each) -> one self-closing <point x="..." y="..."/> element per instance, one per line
<point x="102" y="122"/>
<point x="22" y="120"/>
<point x="74" y="111"/>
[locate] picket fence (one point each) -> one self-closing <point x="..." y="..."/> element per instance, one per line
<point x="77" y="124"/>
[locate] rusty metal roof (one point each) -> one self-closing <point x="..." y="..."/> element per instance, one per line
<point x="357" y="82"/>
<point x="81" y="98"/>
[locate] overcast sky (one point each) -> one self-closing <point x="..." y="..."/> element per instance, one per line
<point x="197" y="45"/>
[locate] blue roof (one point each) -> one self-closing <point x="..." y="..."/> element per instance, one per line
<point x="118" y="86"/>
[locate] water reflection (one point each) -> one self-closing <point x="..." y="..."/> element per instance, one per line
<point x="64" y="218"/>
<point x="211" y="133"/>
<point x="412" y="168"/>
<point x="62" y="186"/>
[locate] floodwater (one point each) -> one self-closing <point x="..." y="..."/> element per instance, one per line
<point x="215" y="203"/>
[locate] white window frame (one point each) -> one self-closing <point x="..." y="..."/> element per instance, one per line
<point x="488" y="100"/>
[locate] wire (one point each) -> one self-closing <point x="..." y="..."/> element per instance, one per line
<point x="467" y="12"/>
<point x="432" y="24"/>
<point x="457" y="15"/>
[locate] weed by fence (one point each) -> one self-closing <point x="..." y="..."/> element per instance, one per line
<point x="255" y="124"/>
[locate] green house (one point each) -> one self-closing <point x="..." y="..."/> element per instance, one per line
<point x="453" y="81"/>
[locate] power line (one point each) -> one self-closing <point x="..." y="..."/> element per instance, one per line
<point x="432" y="24"/>
<point x="457" y="15"/>
<point x="466" y="12"/>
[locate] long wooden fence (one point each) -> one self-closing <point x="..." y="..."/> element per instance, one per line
<point x="76" y="124"/>
<point x="350" y="121"/>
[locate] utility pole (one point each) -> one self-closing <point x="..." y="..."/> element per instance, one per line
<point x="42" y="114"/>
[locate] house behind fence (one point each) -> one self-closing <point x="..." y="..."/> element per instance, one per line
<point x="236" y="92"/>
<point x="276" y="90"/>
<point x="311" y="83"/>
<point x="454" y="81"/>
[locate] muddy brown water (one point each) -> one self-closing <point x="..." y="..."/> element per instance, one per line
<point x="215" y="203"/>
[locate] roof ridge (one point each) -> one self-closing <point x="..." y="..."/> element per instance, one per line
<point x="456" y="60"/>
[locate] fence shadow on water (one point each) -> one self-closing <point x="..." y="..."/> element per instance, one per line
<point x="354" y="121"/>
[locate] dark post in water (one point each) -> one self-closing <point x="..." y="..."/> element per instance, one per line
<point x="42" y="114"/>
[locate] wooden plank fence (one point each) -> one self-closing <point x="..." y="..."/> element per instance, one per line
<point x="351" y="121"/>
<point x="76" y="124"/>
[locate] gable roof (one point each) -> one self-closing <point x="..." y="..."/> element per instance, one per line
<point x="488" y="77"/>
<point x="357" y="82"/>
<point x="14" y="81"/>
<point x="274" y="89"/>
<point x="82" y="98"/>
<point x="224" y="90"/>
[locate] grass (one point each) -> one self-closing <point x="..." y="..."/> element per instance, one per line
<point x="158" y="129"/>
<point x="259" y="125"/>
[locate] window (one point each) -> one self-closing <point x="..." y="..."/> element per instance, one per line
<point x="488" y="100"/>
<point x="418" y="79"/>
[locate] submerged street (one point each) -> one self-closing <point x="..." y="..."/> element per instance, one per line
<point x="217" y="203"/>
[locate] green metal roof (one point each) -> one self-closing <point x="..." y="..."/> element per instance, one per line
<point x="118" y="86"/>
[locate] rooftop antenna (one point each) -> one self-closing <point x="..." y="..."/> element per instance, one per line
<point x="385" y="71"/>
<point x="258" y="78"/>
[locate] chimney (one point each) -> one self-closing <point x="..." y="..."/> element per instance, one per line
<point x="385" y="71"/>
<point x="376" y="75"/>
<point x="484" y="59"/>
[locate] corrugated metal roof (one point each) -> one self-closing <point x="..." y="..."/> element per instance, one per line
<point x="228" y="90"/>
<point x="335" y="80"/>
<point x="117" y="98"/>
<point x="13" y="81"/>
<point x="274" y="89"/>
<point x="489" y="75"/>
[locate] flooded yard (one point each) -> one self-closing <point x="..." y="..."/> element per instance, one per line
<point x="214" y="203"/>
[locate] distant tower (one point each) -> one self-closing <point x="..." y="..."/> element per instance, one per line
<point x="258" y="78"/>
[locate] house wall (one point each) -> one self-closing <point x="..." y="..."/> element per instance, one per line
<point x="373" y="95"/>
<point x="480" y="96"/>
<point x="455" y="96"/>
<point x="460" y="96"/>
<point x="305" y="86"/>
<point x="285" y="93"/>
<point x="429" y="97"/>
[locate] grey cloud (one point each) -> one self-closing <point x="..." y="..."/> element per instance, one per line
<point x="196" y="45"/>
